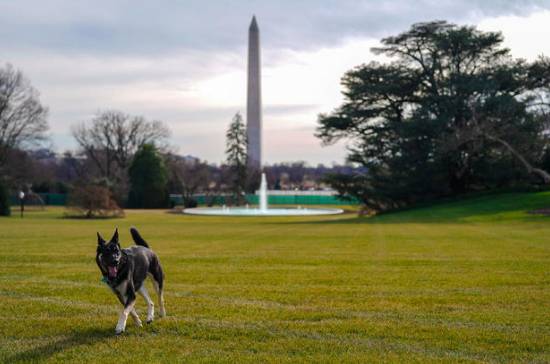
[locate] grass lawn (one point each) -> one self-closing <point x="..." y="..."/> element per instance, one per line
<point x="462" y="282"/>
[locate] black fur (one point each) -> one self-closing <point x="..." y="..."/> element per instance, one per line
<point x="125" y="270"/>
<point x="137" y="238"/>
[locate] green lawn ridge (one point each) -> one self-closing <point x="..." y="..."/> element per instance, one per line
<point x="466" y="281"/>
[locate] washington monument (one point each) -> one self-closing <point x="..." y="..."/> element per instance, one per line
<point x="254" y="98"/>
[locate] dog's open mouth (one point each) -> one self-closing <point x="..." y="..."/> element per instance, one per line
<point x="112" y="272"/>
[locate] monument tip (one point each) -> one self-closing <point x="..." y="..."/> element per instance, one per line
<point x="253" y="23"/>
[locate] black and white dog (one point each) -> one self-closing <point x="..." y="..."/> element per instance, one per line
<point x="125" y="271"/>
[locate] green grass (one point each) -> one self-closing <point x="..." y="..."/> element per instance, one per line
<point x="459" y="282"/>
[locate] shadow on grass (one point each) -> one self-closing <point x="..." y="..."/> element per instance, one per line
<point x="75" y="338"/>
<point x="89" y="218"/>
<point x="491" y="208"/>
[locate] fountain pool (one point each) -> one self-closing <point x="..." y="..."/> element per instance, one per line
<point x="262" y="210"/>
<point x="241" y="211"/>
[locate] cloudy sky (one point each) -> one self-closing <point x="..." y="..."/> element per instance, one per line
<point x="184" y="62"/>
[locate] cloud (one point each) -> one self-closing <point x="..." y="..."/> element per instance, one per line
<point x="145" y="27"/>
<point x="525" y="36"/>
<point x="184" y="62"/>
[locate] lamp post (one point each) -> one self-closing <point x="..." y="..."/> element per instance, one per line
<point x="22" y="202"/>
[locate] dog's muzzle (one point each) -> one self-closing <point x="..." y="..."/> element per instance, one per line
<point x="113" y="271"/>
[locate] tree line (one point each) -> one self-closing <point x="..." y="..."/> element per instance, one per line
<point x="121" y="161"/>
<point x="450" y="113"/>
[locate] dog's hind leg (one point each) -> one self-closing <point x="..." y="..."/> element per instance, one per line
<point x="158" y="289"/>
<point x="158" y="283"/>
<point x="150" y="305"/>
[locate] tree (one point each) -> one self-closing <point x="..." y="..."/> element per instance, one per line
<point x="191" y="177"/>
<point x="112" y="138"/>
<point x="4" y="200"/>
<point x="23" y="119"/>
<point x="148" y="179"/>
<point x="27" y="168"/>
<point x="452" y="113"/>
<point x="236" y="156"/>
<point x="93" y="201"/>
<point x="540" y="71"/>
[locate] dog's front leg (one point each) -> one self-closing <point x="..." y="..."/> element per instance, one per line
<point x="134" y="314"/>
<point x="136" y="318"/>
<point x="128" y="308"/>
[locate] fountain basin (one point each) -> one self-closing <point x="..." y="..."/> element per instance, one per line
<point x="241" y="211"/>
<point x="261" y="210"/>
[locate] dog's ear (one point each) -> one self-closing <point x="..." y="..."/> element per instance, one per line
<point x="114" y="239"/>
<point x="100" y="240"/>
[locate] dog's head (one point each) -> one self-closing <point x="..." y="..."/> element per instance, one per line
<point x="109" y="255"/>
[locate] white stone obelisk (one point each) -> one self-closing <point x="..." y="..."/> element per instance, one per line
<point x="254" y="98"/>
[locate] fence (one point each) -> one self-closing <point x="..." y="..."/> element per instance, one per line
<point x="277" y="198"/>
<point x="50" y="199"/>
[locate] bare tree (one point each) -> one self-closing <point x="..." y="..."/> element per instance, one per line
<point x="112" y="138"/>
<point x="23" y="119"/>
<point x="92" y="202"/>
<point x="191" y="176"/>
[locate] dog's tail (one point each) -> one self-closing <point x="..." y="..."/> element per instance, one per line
<point x="137" y="238"/>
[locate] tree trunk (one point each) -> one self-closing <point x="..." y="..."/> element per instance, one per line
<point x="530" y="169"/>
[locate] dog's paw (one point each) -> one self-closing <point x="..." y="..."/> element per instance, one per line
<point x="119" y="330"/>
<point x="149" y="321"/>
<point x="138" y="323"/>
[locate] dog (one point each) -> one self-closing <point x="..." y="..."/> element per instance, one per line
<point x="125" y="270"/>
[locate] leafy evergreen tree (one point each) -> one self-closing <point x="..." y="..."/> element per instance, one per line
<point x="236" y="156"/>
<point x="148" y="179"/>
<point x="452" y="113"/>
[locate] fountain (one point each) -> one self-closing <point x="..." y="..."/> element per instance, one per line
<point x="263" y="194"/>
<point x="262" y="210"/>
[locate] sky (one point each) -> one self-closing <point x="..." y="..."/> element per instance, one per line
<point x="184" y="62"/>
